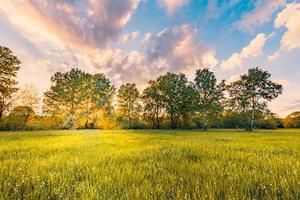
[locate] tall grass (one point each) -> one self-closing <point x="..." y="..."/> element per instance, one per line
<point x="150" y="165"/>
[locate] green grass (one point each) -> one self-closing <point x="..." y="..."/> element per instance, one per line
<point x="218" y="164"/>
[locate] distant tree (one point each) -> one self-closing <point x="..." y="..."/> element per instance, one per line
<point x="210" y="96"/>
<point x="252" y="92"/>
<point x="270" y="120"/>
<point x="232" y="119"/>
<point x="177" y="95"/>
<point x="292" y="120"/>
<point x="128" y="102"/>
<point x="9" y="66"/>
<point x="18" y="117"/>
<point x="29" y="98"/>
<point x="153" y="104"/>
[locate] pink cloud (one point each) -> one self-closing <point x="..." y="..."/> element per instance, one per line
<point x="172" y="5"/>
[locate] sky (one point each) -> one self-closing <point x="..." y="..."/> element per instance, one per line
<point x="137" y="40"/>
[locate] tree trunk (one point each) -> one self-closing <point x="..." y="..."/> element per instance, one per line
<point x="205" y="122"/>
<point x="1" y="113"/>
<point x="205" y="127"/>
<point x="26" y="117"/>
<point x="175" y="121"/>
<point x="172" y="121"/>
<point x="129" y="118"/>
<point x="157" y="119"/>
<point x="153" y="122"/>
<point x="252" y="120"/>
<point x="86" y="124"/>
<point x="252" y="116"/>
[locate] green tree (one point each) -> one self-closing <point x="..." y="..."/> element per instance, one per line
<point x="66" y="92"/>
<point x="210" y="96"/>
<point x="98" y="95"/>
<point x="292" y="120"/>
<point x="232" y="119"/>
<point x="238" y="103"/>
<point x="18" y="117"/>
<point x="9" y="66"/>
<point x="128" y="102"/>
<point x="252" y="93"/>
<point x="78" y="94"/>
<point x="178" y="97"/>
<point x="153" y="105"/>
<point x="270" y="120"/>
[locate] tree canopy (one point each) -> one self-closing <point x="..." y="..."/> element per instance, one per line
<point x="78" y="99"/>
<point x="210" y="95"/>
<point x="9" y="66"/>
<point x="252" y="92"/>
<point x="128" y="103"/>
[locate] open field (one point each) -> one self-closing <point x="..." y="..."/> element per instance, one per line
<point x="154" y="164"/>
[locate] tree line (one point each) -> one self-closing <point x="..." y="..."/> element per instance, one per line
<point x="78" y="99"/>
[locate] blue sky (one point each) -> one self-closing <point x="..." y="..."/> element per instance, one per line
<point x="136" y="40"/>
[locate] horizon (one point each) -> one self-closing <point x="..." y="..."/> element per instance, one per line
<point x="125" y="42"/>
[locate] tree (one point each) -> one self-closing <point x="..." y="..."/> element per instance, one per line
<point x="67" y="92"/>
<point x="270" y="120"/>
<point x="78" y="94"/>
<point x="9" y="66"/>
<point x="239" y="103"/>
<point x="128" y="102"/>
<point x="18" y="117"/>
<point x="98" y="95"/>
<point x="177" y="95"/>
<point x="29" y="98"/>
<point x="210" y="95"/>
<point x="153" y="104"/>
<point x="292" y="120"/>
<point x="232" y="119"/>
<point x="253" y="91"/>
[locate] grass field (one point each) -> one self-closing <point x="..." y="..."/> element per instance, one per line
<point x="219" y="164"/>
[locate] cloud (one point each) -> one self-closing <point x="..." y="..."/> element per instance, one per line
<point x="254" y="49"/>
<point x="174" y="49"/>
<point x="293" y="106"/>
<point x="92" y="23"/>
<point x="172" y="5"/>
<point x="288" y="18"/>
<point x="66" y="33"/>
<point x="128" y="37"/>
<point x="261" y="14"/>
<point x="177" y="50"/>
<point x="122" y="67"/>
<point x="73" y="33"/>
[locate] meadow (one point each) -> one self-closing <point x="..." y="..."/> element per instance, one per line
<point x="150" y="164"/>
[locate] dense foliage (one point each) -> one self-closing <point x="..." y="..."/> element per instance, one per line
<point x="9" y="65"/>
<point x="78" y="99"/>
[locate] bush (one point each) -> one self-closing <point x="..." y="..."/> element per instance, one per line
<point x="136" y="125"/>
<point x="70" y="123"/>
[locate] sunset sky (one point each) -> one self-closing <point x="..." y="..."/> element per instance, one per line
<point x="136" y="40"/>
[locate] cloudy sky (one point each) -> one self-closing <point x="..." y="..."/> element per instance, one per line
<point x="136" y="40"/>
